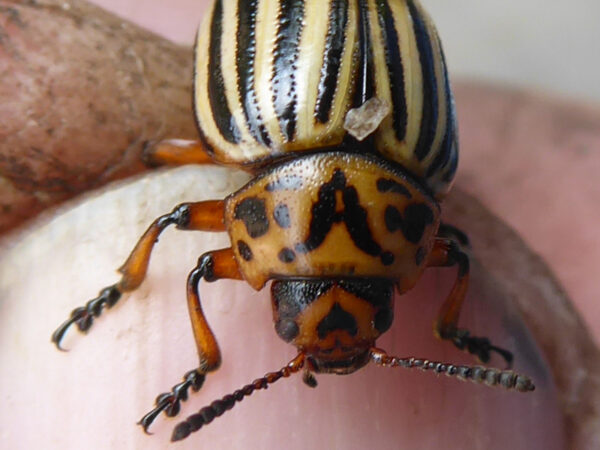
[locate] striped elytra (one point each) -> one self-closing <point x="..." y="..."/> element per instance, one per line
<point x="274" y="77"/>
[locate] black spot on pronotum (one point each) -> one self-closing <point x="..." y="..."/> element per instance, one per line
<point x="355" y="217"/>
<point x="412" y="222"/>
<point x="286" y="255"/>
<point x="287" y="329"/>
<point x="245" y="251"/>
<point x="323" y="213"/>
<point x="392" y="218"/>
<point x="416" y="219"/>
<point x="281" y="214"/>
<point x="386" y="185"/>
<point x="253" y="213"/>
<point x="337" y="320"/>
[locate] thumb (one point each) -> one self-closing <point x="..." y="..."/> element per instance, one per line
<point x="94" y="394"/>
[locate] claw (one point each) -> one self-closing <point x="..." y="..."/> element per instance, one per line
<point x="309" y="379"/>
<point x="76" y="316"/>
<point x="480" y="347"/>
<point x="170" y="402"/>
<point x="147" y="420"/>
<point x="508" y="356"/>
<point x="83" y="316"/>
<point x="58" y="335"/>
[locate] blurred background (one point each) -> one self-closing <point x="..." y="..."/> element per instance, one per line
<point x="545" y="45"/>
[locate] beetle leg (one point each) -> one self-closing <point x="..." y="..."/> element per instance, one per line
<point x="204" y="216"/>
<point x="175" y="152"/>
<point x="211" y="266"/>
<point x="451" y="232"/>
<point x="447" y="253"/>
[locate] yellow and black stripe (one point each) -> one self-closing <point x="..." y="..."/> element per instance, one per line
<point x="279" y="76"/>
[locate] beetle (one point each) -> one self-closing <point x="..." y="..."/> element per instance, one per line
<point x="343" y="112"/>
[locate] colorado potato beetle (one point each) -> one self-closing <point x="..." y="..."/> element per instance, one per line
<point x="343" y="112"/>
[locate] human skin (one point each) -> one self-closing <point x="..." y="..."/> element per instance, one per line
<point x="379" y="408"/>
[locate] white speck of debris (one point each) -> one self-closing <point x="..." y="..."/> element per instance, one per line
<point x="66" y="6"/>
<point x="362" y="121"/>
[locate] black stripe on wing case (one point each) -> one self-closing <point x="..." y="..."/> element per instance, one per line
<point x="429" y="116"/>
<point x="452" y="165"/>
<point x="395" y="68"/>
<point x="365" y="82"/>
<point x="285" y="64"/>
<point x="246" y="51"/>
<point x="447" y="146"/>
<point x="334" y="49"/>
<point x="216" y="86"/>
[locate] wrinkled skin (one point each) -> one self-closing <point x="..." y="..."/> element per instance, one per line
<point x="93" y="395"/>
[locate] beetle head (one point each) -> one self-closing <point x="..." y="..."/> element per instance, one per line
<point x="333" y="321"/>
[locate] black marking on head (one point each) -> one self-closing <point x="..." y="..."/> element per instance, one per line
<point x="291" y="297"/>
<point x="376" y="291"/>
<point x="245" y="251"/>
<point x="347" y="365"/>
<point x="386" y="185"/>
<point x="429" y="117"/>
<point x="287" y="255"/>
<point x="337" y="320"/>
<point x="216" y="86"/>
<point x="395" y="69"/>
<point x="287" y="47"/>
<point x="287" y="329"/>
<point x="281" y="214"/>
<point x="412" y="224"/>
<point x="252" y="211"/>
<point x="419" y="256"/>
<point x="383" y="319"/>
<point x="246" y="52"/>
<point x="332" y="58"/>
<point x="285" y="183"/>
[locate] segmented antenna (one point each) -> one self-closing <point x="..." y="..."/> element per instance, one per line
<point x="218" y="407"/>
<point x="477" y="374"/>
